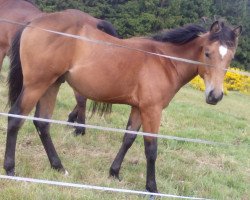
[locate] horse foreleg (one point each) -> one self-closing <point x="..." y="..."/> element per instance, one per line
<point x="23" y="106"/>
<point x="151" y="117"/>
<point x="79" y="113"/>
<point x="44" y="109"/>
<point x="134" y="124"/>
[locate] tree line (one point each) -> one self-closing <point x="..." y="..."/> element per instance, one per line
<point x="144" y="17"/>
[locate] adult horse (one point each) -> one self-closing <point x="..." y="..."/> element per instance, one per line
<point x="111" y="74"/>
<point x="16" y="10"/>
<point x="24" y="11"/>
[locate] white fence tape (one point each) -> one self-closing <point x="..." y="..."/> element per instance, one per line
<point x="91" y="187"/>
<point x="114" y="129"/>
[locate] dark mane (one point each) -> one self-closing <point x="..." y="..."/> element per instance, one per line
<point x="185" y="34"/>
<point x="225" y="36"/>
<point x="180" y="35"/>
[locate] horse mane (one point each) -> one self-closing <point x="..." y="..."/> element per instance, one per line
<point x="181" y="35"/>
<point x="107" y="27"/>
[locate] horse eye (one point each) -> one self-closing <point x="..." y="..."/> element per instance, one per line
<point x="207" y="55"/>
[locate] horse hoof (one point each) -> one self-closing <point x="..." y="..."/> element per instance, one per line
<point x="10" y="172"/>
<point x="63" y="171"/>
<point x="79" y="131"/>
<point x="113" y="173"/>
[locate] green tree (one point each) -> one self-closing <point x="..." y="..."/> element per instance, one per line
<point x="142" y="17"/>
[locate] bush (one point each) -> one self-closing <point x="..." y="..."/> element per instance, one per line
<point x="232" y="82"/>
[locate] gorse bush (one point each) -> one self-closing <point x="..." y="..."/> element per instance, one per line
<point x="232" y="82"/>
<point x="237" y="82"/>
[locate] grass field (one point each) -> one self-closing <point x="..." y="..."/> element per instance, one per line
<point x="218" y="172"/>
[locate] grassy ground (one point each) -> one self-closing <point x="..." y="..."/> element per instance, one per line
<point x="182" y="168"/>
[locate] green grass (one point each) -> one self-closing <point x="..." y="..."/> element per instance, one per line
<point x="218" y="172"/>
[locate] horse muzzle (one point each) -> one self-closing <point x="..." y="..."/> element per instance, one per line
<point x="213" y="99"/>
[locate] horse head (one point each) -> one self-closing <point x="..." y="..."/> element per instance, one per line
<point x="218" y="50"/>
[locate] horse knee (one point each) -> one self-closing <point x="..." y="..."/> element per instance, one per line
<point x="42" y="127"/>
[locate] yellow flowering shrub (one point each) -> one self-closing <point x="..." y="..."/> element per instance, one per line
<point x="232" y="82"/>
<point x="198" y="83"/>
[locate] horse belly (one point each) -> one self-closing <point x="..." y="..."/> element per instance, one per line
<point x="96" y="84"/>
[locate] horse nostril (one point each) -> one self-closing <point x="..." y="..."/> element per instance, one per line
<point x="212" y="99"/>
<point x="210" y="93"/>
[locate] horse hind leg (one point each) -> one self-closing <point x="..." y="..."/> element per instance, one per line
<point x="44" y="109"/>
<point x="79" y="113"/>
<point x="23" y="106"/>
<point x="81" y="116"/>
<point x="134" y="124"/>
<point x="73" y="115"/>
<point x="14" y="124"/>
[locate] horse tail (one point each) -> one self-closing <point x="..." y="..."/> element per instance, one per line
<point x="107" y="27"/>
<point x="100" y="108"/>
<point x="15" y="77"/>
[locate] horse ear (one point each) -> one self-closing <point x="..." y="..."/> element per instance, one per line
<point x="216" y="27"/>
<point x="237" y="31"/>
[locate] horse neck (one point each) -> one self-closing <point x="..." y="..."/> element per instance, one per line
<point x="185" y="72"/>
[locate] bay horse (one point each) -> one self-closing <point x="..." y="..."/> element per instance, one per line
<point x="111" y="74"/>
<point x="16" y="10"/>
<point x="24" y="11"/>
